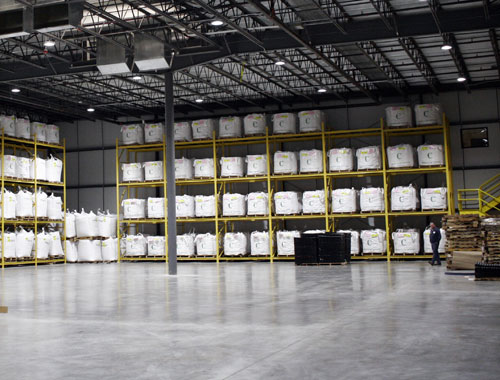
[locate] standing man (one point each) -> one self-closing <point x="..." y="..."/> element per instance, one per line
<point x="435" y="238"/>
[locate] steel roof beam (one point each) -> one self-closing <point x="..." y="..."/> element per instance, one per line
<point x="458" y="60"/>
<point x="494" y="45"/>
<point x="334" y="11"/>
<point x="386" y="12"/>
<point x="417" y="57"/>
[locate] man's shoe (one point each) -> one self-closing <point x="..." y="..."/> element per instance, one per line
<point x="438" y="264"/>
<point x="430" y="262"/>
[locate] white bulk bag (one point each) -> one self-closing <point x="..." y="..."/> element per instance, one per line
<point x="70" y="225"/>
<point x="311" y="161"/>
<point x="9" y="245"/>
<point x="257" y="203"/>
<point x="153" y="170"/>
<point x="56" y="248"/>
<point x="153" y="133"/>
<point x="123" y="246"/>
<point x="398" y="117"/>
<point x="202" y="129"/>
<point x="430" y="155"/>
<point x="185" y="245"/>
<point x="54" y="167"/>
<point x="156" y="245"/>
<point x="232" y="166"/>
<point x="314" y="232"/>
<point x="183" y="168"/>
<point x="259" y="243"/>
<point x="428" y="114"/>
<point x="427" y="241"/>
<point x="24" y="204"/>
<point x="156" y="208"/>
<point x="369" y="158"/>
<point x="344" y="200"/>
<point x="132" y="134"/>
<point x="256" y="164"/>
<point x="313" y="202"/>
<point x="230" y="127"/>
<point x="132" y="172"/>
<point x="433" y="198"/>
<point x="371" y="199"/>
<point x="53" y="134"/>
<point x="184" y="206"/>
<point x="401" y="156"/>
<point x="40" y="198"/>
<point x="340" y="159"/>
<point x="183" y="132"/>
<point x="9" y="204"/>
<point x="23" y="168"/>
<point x="86" y="224"/>
<point x="9" y="166"/>
<point x="254" y="124"/>
<point x="235" y="244"/>
<point x="134" y="208"/>
<point x="285" y="163"/>
<point x="136" y="245"/>
<point x="311" y="121"/>
<point x="8" y="125"/>
<point x="41" y="169"/>
<point x="24" y="243"/>
<point x="406" y="241"/>
<point x="206" y="245"/>
<point x="286" y="243"/>
<point x="40" y="130"/>
<point x="373" y="241"/>
<point x="23" y="129"/>
<point x="233" y="205"/>
<point x="89" y="250"/>
<point x="43" y="243"/>
<point x="204" y="206"/>
<point x="284" y="123"/>
<point x="71" y="252"/>
<point x="203" y="168"/>
<point x="404" y="198"/>
<point x="109" y="249"/>
<point x="354" y="240"/>
<point x="106" y="224"/>
<point x="287" y="203"/>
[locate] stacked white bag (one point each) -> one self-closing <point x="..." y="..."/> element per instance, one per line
<point x="9" y="166"/>
<point x="9" y="207"/>
<point x="311" y="121"/>
<point x="259" y="243"/>
<point x="89" y="251"/>
<point x="184" y="206"/>
<point x="206" y="244"/>
<point x="132" y="172"/>
<point x="136" y="245"/>
<point x="204" y="206"/>
<point x="156" y="245"/>
<point x="369" y="158"/>
<point x="427" y="241"/>
<point x="232" y="166"/>
<point x="285" y="163"/>
<point x="430" y="155"/>
<point x="313" y="202"/>
<point x="374" y="241"/>
<point x="284" y="123"/>
<point x="404" y="198"/>
<point x="40" y="198"/>
<point x="257" y="203"/>
<point x="70" y="225"/>
<point x="235" y="244"/>
<point x="43" y="243"/>
<point x="203" y="168"/>
<point x="433" y="198"/>
<point x="311" y="161"/>
<point x="53" y="169"/>
<point x="254" y="124"/>
<point x="134" y="208"/>
<point x="156" y="208"/>
<point x="428" y="114"/>
<point x="183" y="132"/>
<point x="355" y="249"/>
<point x="41" y="169"/>
<point x="344" y="200"/>
<point x="233" y="204"/>
<point x="86" y="224"/>
<point x="109" y="249"/>
<point x="286" y="243"/>
<point x="40" y="130"/>
<point x="202" y="129"/>
<point x="53" y="134"/>
<point x="287" y="203"/>
<point x="406" y="241"/>
<point x="371" y="199"/>
<point x="230" y="127"/>
<point x="398" y="117"/>
<point x="401" y="156"/>
<point x="153" y="133"/>
<point x="341" y="160"/>
<point x="9" y="244"/>
<point x="24" y="243"/>
<point x="106" y="224"/>
<point x="56" y="249"/>
<point x="183" y="168"/>
<point x="185" y="245"/>
<point x="23" y="166"/>
<point x="71" y="251"/>
<point x="23" y="128"/>
<point x="132" y="134"/>
<point x="256" y="164"/>
<point x="8" y="125"/>
<point x="24" y="204"/>
<point x="153" y="170"/>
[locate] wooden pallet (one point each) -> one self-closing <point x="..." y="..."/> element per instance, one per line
<point x="321" y="264"/>
<point x="431" y="166"/>
<point x="488" y="279"/>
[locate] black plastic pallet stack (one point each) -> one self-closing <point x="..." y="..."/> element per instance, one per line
<point x="487" y="271"/>
<point x="328" y="248"/>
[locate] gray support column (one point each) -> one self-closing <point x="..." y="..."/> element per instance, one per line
<point x="170" y="165"/>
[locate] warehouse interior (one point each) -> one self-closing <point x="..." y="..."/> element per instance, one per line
<point x="309" y="147"/>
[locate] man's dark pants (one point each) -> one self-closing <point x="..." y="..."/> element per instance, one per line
<point x="435" y="253"/>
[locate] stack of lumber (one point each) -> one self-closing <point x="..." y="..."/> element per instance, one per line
<point x="463" y="233"/>
<point x="491" y="233"/>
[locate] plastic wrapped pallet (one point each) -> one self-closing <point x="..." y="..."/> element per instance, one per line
<point x="9" y="245"/>
<point x="233" y="205"/>
<point x="404" y="198"/>
<point x="184" y="205"/>
<point x="371" y="199"/>
<point x="355" y="249"/>
<point x="235" y="244"/>
<point x="106" y="224"/>
<point x="53" y="169"/>
<point x="428" y="114"/>
<point x="9" y="166"/>
<point x="156" y="245"/>
<point x="203" y="129"/>
<point x="40" y="211"/>
<point x="344" y="200"/>
<point x="259" y="243"/>
<point x="24" y="243"/>
<point x="311" y="121"/>
<point x="41" y="169"/>
<point x="206" y="245"/>
<point x="153" y="133"/>
<point x="109" y="249"/>
<point x="204" y="206"/>
<point x="430" y="155"/>
<point x="71" y="251"/>
<point x="232" y="166"/>
<point x="285" y="242"/>
<point x="287" y="203"/>
<point x="23" y="128"/>
<point x="156" y="208"/>
<point x="369" y="158"/>
<point x="132" y="134"/>
<point x="8" y="125"/>
<point x="398" y="117"/>
<point x="401" y="156"/>
<point x="285" y="163"/>
<point x="183" y="168"/>
<point x="53" y="134"/>
<point x="374" y="241"/>
<point x="406" y="241"/>
<point x="43" y="242"/>
<point x="9" y="208"/>
<point x="203" y="168"/>
<point x="284" y="123"/>
<point x="257" y="204"/>
<point x="70" y="225"/>
<point x="340" y="160"/>
<point x="256" y="164"/>
<point x="89" y="251"/>
<point x="132" y="172"/>
<point x="433" y="198"/>
<point x="183" y="132"/>
<point x="313" y="202"/>
<point x="23" y="168"/>
<point x="230" y="127"/>
<point x="24" y="204"/>
<point x="136" y="245"/>
<point x="40" y="130"/>
<point x="427" y="242"/>
<point x="86" y="224"/>
<point x="185" y="245"/>
<point x="254" y="124"/>
<point x="153" y="170"/>
<point x="134" y="208"/>
<point x="56" y="248"/>
<point x="311" y="161"/>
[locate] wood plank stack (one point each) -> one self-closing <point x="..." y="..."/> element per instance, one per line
<point x="491" y="234"/>
<point x="463" y="233"/>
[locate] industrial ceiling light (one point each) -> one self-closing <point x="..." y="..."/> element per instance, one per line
<point x="446" y="47"/>
<point x="49" y="43"/>
<point x="90" y="109"/>
<point x="15" y="90"/>
<point x="461" y="79"/>
<point x="279" y="63"/>
<point x="216" y="23"/>
<point x="321" y="90"/>
<point x="136" y="77"/>
<point x="199" y="100"/>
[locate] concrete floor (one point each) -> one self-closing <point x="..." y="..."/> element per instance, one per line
<point x="247" y="321"/>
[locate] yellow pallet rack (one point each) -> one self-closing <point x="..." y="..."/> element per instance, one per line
<point x="33" y="147"/>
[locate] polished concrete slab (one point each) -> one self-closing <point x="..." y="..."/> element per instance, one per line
<point x="247" y="321"/>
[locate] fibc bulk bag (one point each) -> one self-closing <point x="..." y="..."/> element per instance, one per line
<point x="132" y="172"/>
<point x="256" y="164"/>
<point x="373" y="241"/>
<point x="184" y="206"/>
<point x="185" y="245"/>
<point x="340" y="159"/>
<point x="284" y="123"/>
<point x="9" y="204"/>
<point x="136" y="245"/>
<point x="285" y="242"/>
<point x="202" y="129"/>
<point x="134" y="208"/>
<point x="430" y="155"/>
<point x="70" y="225"/>
<point x="9" y="166"/>
<point x="56" y="248"/>
<point x="427" y="241"/>
<point x="230" y="127"/>
<point x="287" y="203"/>
<point x="354" y="240"/>
<point x="206" y="245"/>
<point x="311" y="121"/>
<point x="433" y="198"/>
<point x="132" y="134"/>
<point x="8" y="125"/>
<point x="406" y="241"/>
<point x="106" y="224"/>
<point x="428" y="114"/>
<point x="53" y="134"/>
<point x="86" y="224"/>
<point x="311" y="161"/>
<point x="203" y="168"/>
<point x="156" y="245"/>
<point x="204" y="206"/>
<point x="254" y="124"/>
<point x="54" y="208"/>
<point x="53" y="169"/>
<point x="43" y="242"/>
<point x="153" y="170"/>
<point x="231" y="166"/>
<point x="285" y="163"/>
<point x="369" y="158"/>
<point x="40" y="198"/>
<point x="41" y="169"/>
<point x="23" y="129"/>
<point x="233" y="205"/>
<point x="24" y="204"/>
<point x="156" y="208"/>
<point x="109" y="249"/>
<point x="371" y="199"/>
<point x="398" y="117"/>
<point x="23" y="168"/>
<point x="344" y="200"/>
<point x="182" y="132"/>
<point x="24" y="243"/>
<point x="404" y="198"/>
<point x="153" y="133"/>
<point x="401" y="156"/>
<point x="9" y="245"/>
<point x="313" y="202"/>
<point x="259" y="243"/>
<point x="89" y="250"/>
<point x="71" y="252"/>
<point x="258" y="204"/>
<point x="183" y="168"/>
<point x="235" y="244"/>
<point x="39" y="130"/>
